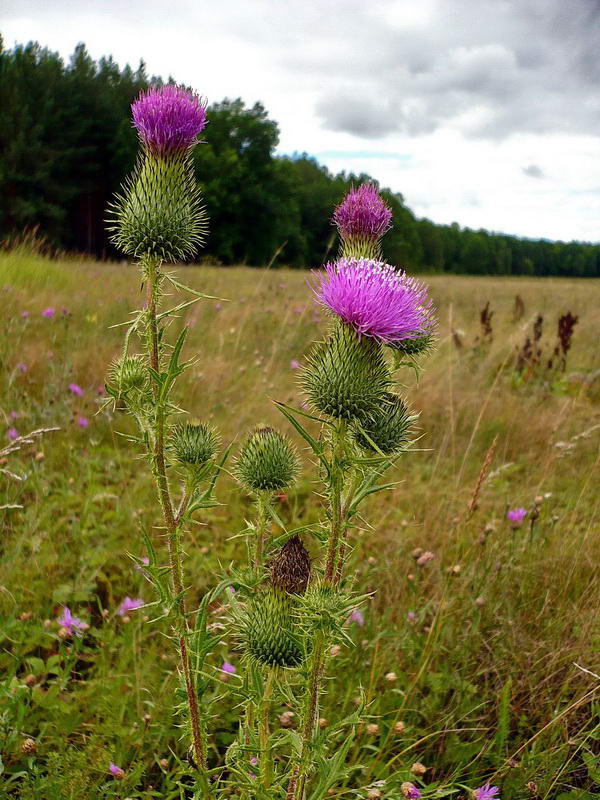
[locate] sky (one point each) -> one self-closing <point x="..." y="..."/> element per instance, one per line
<point x="483" y="112"/>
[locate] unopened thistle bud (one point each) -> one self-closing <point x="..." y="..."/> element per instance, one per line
<point x="346" y="376"/>
<point x="193" y="445"/>
<point x="386" y="428"/>
<point x="423" y="342"/>
<point x="160" y="213"/>
<point x="268" y="630"/>
<point x="267" y="461"/>
<point x="290" y="568"/>
<point x="128" y="374"/>
<point x="362" y="218"/>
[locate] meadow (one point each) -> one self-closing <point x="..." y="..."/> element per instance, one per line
<point x="478" y="662"/>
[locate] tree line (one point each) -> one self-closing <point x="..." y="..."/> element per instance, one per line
<point x="66" y="144"/>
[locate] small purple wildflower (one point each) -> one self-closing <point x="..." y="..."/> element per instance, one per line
<point x="357" y="616"/>
<point x="116" y="771"/>
<point x="83" y="422"/>
<point x="376" y="299"/>
<point x="410" y="791"/>
<point x="74" y="388"/>
<point x="13" y="415"/>
<point x="294" y="364"/>
<point x="48" y="312"/>
<point x="228" y="668"/>
<point x="486" y="792"/>
<point x="231" y="589"/>
<point x="254" y="761"/>
<point x="12" y="434"/>
<point x="411" y="617"/>
<point x="22" y="367"/>
<point x="73" y="625"/>
<point x="362" y="213"/>
<point x="168" y="119"/>
<point x="145" y="561"/>
<point x="129" y="604"/>
<point x="24" y="314"/>
<point x="516" y="515"/>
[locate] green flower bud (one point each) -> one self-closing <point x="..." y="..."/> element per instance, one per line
<point x="347" y="376"/>
<point x="268" y="630"/>
<point x="415" y="347"/>
<point x="388" y="427"/>
<point x="160" y="212"/>
<point x="290" y="567"/>
<point x="127" y="374"/>
<point x="267" y="461"/>
<point x="193" y="445"/>
<point x="325" y="608"/>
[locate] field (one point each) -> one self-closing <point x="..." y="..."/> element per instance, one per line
<point x="488" y="654"/>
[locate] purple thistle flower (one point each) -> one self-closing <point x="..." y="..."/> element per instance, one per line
<point x="83" y="422"/>
<point x="129" y="604"/>
<point x="294" y="364"/>
<point x="12" y="434"/>
<point x="22" y="367"/>
<point x="168" y="119"/>
<point x="73" y="625"/>
<point x="516" y="515"/>
<point x="376" y="299"/>
<point x="357" y="616"/>
<point x="116" y="771"/>
<point x="24" y="314"/>
<point x="13" y="415"/>
<point x="48" y="312"/>
<point x="362" y="213"/>
<point x="486" y="792"/>
<point x="228" y="668"/>
<point x="74" y="388"/>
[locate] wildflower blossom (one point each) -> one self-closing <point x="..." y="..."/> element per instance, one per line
<point x="516" y="516"/>
<point x="83" y="422"/>
<point x="486" y="792"/>
<point x="294" y="364"/>
<point x="376" y="299"/>
<point x="12" y="434"/>
<point x="48" y="312"/>
<point x="168" y="119"/>
<point x="74" y="388"/>
<point x="24" y="314"/>
<point x="22" y="367"/>
<point x="228" y="668"/>
<point x="129" y="604"/>
<point x="410" y="791"/>
<point x="116" y="771"/>
<point x="357" y="616"/>
<point x="13" y="415"/>
<point x="362" y="213"/>
<point x="72" y="625"/>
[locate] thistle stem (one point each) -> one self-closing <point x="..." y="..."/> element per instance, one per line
<point x="261" y="529"/>
<point x="171" y="524"/>
<point x="266" y="763"/>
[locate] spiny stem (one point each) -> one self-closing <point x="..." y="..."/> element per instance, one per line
<point x="261" y="528"/>
<point x="171" y="524"/>
<point x="265" y="764"/>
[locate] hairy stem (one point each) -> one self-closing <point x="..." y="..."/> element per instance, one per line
<point x="309" y="716"/>
<point x="171" y="524"/>
<point x="260" y="534"/>
<point x="266" y="762"/>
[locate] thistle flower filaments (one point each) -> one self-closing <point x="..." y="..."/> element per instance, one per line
<point x="346" y="377"/>
<point x="362" y="218"/>
<point x="267" y="461"/>
<point x="376" y="299"/>
<point x="387" y="427"/>
<point x="160" y="213"/>
<point x="168" y="119"/>
<point x="193" y="445"/>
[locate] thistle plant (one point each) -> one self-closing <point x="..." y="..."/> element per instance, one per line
<point x="287" y="607"/>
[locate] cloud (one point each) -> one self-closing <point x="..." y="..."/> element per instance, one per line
<point x="533" y="171"/>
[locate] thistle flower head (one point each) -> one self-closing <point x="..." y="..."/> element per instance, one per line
<point x="129" y="604"/>
<point x="266" y="462"/>
<point x="290" y="568"/>
<point x="129" y="373"/>
<point x="486" y="792"/>
<point x="362" y="218"/>
<point x="268" y="630"/>
<point x="410" y="791"/>
<point x="376" y="299"/>
<point x="194" y="445"/>
<point x="516" y="516"/>
<point x="168" y="119"/>
<point x="346" y="376"/>
<point x="73" y="625"/>
<point x="387" y="427"/>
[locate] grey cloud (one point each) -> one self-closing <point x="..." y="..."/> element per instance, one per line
<point x="533" y="171"/>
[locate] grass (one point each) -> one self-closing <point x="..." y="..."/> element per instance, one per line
<point x="488" y="655"/>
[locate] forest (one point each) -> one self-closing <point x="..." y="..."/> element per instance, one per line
<point x="66" y="143"/>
